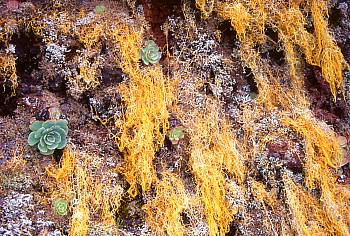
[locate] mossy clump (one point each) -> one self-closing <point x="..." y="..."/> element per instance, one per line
<point x="49" y="135"/>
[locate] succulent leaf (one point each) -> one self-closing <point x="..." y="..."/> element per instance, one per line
<point x="63" y="124"/>
<point x="49" y="139"/>
<point x="49" y="135"/>
<point x="32" y="140"/>
<point x="49" y="152"/>
<point x="42" y="145"/>
<point x="60" y="131"/>
<point x="57" y="137"/>
<point x="39" y="132"/>
<point x="48" y="124"/>
<point x="36" y="125"/>
<point x="62" y="143"/>
<point x="52" y="146"/>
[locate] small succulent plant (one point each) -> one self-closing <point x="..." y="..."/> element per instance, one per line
<point x="99" y="9"/>
<point x="253" y="95"/>
<point x="176" y="134"/>
<point x="150" y="54"/>
<point x="48" y="135"/>
<point x="60" y="207"/>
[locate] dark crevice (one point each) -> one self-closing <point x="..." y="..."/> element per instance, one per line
<point x="28" y="55"/>
<point x="228" y="35"/>
<point x="274" y="53"/>
<point x="111" y="76"/>
<point x="8" y="104"/>
<point x="156" y="13"/>
<point x="272" y="34"/>
<point x="58" y="85"/>
<point x="233" y="229"/>
<point x="322" y="100"/>
<point x="125" y="218"/>
<point x="250" y="80"/>
<point x="335" y="17"/>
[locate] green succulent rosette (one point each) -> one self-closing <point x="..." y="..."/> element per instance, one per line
<point x="48" y="135"/>
<point x="60" y="207"/>
<point x="176" y="134"/>
<point x="150" y="54"/>
<point x="100" y="9"/>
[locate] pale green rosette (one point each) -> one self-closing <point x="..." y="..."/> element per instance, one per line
<point x="61" y="207"/>
<point x="48" y="135"/>
<point x="176" y="134"/>
<point x="150" y="54"/>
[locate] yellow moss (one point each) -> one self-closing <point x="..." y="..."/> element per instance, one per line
<point x="239" y="17"/>
<point x="63" y="174"/>
<point x="79" y="222"/>
<point x="319" y="48"/>
<point x="321" y="143"/>
<point x="16" y="163"/>
<point x="8" y="71"/>
<point x="291" y="28"/>
<point x="327" y="54"/>
<point x="213" y="153"/>
<point x="163" y="212"/>
<point x="260" y="193"/>
<point x="273" y="93"/>
<point x="88" y="75"/>
<point x="78" y="182"/>
<point x="8" y="27"/>
<point x="205" y="6"/>
<point x="90" y="35"/>
<point x="270" y="198"/>
<point x="249" y="18"/>
<point x="215" y="160"/>
<point x="147" y="97"/>
<point x="36" y="25"/>
<point x="309" y="215"/>
<point x="321" y="152"/>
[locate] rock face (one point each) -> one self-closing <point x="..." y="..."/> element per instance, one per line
<point x="244" y="168"/>
<point x="17" y="217"/>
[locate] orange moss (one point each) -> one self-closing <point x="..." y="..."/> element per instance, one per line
<point x="323" y="151"/>
<point x="321" y="145"/>
<point x="147" y="97"/>
<point x="262" y="195"/>
<point x="8" y="26"/>
<point x="90" y="35"/>
<point x="213" y="154"/>
<point x="8" y="71"/>
<point x="249" y="20"/>
<point x="87" y="78"/>
<point x="215" y="160"/>
<point x="267" y="198"/>
<point x="77" y="181"/>
<point x="205" y="6"/>
<point x="79" y="222"/>
<point x="327" y="54"/>
<point x="163" y="212"/>
<point x="309" y="215"/>
<point x="64" y="174"/>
